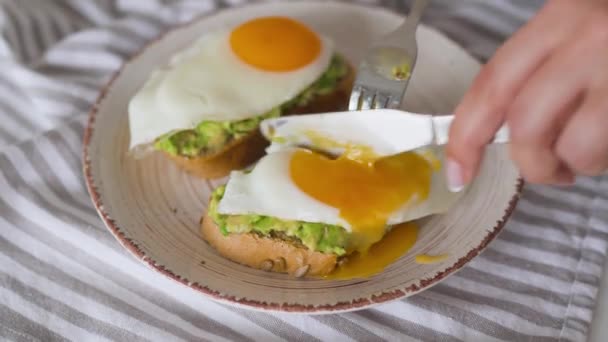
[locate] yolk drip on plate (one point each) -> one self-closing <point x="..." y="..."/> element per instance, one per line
<point x="430" y="259"/>
<point x="365" y="193"/>
<point x="275" y="44"/>
<point x="383" y="253"/>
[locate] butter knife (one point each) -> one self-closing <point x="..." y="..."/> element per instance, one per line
<point x="385" y="131"/>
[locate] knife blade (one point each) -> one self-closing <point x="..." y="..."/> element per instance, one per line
<point x="385" y="131"/>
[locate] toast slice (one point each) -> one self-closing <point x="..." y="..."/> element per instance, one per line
<point x="267" y="253"/>
<point x="244" y="151"/>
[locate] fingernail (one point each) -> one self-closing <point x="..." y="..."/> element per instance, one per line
<point x="454" y="175"/>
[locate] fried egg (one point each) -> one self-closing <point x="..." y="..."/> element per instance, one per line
<point x="230" y="74"/>
<point x="364" y="197"/>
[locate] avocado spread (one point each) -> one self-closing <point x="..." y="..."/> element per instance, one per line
<point x="319" y="237"/>
<point x="211" y="136"/>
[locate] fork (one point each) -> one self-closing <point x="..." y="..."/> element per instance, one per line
<point x="385" y="71"/>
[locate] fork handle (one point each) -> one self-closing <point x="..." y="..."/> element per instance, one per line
<point x="441" y="127"/>
<point x="407" y="30"/>
<point x="413" y="18"/>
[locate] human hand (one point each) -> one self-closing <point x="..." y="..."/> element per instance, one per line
<point x="549" y="84"/>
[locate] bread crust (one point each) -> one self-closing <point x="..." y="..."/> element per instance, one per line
<point x="244" y="151"/>
<point x="266" y="253"/>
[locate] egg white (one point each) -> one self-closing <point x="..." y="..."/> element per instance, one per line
<point x="207" y="81"/>
<point x="268" y="190"/>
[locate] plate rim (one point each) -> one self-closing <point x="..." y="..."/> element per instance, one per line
<point x="140" y="255"/>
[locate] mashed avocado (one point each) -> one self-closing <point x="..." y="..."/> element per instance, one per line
<point x="316" y="236"/>
<point x="211" y="136"/>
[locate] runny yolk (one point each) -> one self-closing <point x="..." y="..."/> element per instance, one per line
<point x="275" y="44"/>
<point x="430" y="259"/>
<point x="383" y="253"/>
<point x="365" y="193"/>
<point x="360" y="153"/>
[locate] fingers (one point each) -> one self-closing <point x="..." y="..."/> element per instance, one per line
<point x="543" y="107"/>
<point x="541" y="165"/>
<point x="485" y="106"/>
<point x="583" y="145"/>
<point x="558" y="120"/>
<point x="532" y="145"/>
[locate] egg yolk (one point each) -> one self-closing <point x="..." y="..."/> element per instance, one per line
<point x="381" y="254"/>
<point x="351" y="151"/>
<point x="365" y="193"/>
<point x="430" y="259"/>
<point x="275" y="44"/>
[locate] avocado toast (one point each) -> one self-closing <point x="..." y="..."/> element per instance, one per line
<point x="214" y="148"/>
<point x="271" y="244"/>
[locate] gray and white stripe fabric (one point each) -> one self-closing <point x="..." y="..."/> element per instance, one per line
<point x="64" y="277"/>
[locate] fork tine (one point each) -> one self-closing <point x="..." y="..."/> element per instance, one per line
<point x="380" y="101"/>
<point x="355" y="96"/>
<point x="376" y="87"/>
<point x="367" y="99"/>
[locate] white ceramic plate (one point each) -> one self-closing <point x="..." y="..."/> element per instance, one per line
<point x="153" y="209"/>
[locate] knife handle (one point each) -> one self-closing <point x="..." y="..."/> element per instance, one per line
<point x="441" y="129"/>
<point x="502" y="135"/>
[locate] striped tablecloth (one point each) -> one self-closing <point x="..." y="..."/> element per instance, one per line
<point x="63" y="276"/>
